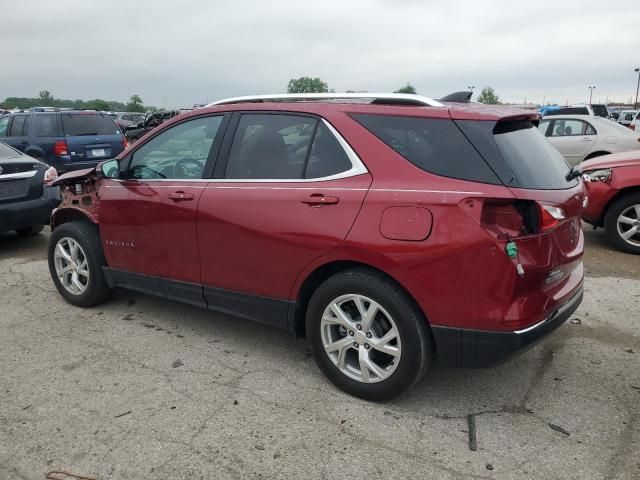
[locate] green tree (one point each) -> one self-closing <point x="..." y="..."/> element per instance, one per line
<point x="307" y="85"/>
<point x="408" y="88"/>
<point x="135" y="104"/>
<point x="46" y="98"/>
<point x="489" y="96"/>
<point x="97" y="104"/>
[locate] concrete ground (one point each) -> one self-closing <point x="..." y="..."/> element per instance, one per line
<point x="143" y="388"/>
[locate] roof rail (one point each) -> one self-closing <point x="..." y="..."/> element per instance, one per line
<point x="375" y="98"/>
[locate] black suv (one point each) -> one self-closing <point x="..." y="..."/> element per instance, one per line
<point x="66" y="140"/>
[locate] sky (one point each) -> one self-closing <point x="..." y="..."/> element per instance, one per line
<point x="195" y="51"/>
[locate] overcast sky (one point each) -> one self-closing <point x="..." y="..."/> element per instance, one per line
<point x="192" y="51"/>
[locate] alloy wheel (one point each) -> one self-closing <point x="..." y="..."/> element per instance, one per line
<point x="360" y="338"/>
<point x="628" y="225"/>
<point x="72" y="266"/>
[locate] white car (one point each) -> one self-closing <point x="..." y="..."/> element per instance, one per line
<point x="635" y="124"/>
<point x="580" y="137"/>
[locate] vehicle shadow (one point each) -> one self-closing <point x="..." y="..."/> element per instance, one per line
<point x="29" y="248"/>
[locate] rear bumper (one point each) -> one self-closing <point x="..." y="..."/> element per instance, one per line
<point x="466" y="348"/>
<point x="29" y="212"/>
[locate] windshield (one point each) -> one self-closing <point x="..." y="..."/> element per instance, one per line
<point x="79" y="124"/>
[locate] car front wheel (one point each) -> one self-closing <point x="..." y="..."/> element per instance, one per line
<point x="367" y="335"/>
<point x="75" y="264"/>
<point x="622" y="223"/>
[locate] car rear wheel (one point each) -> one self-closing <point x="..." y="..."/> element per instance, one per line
<point x="32" y="230"/>
<point x="75" y="264"/>
<point x="367" y="335"/>
<point x="622" y="223"/>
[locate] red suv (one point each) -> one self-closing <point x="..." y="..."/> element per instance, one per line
<point x="392" y="231"/>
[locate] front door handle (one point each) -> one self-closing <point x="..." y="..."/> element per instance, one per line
<point x="181" y="196"/>
<point x="319" y="199"/>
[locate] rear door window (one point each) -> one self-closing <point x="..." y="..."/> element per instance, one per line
<point x="570" y="127"/>
<point x="4" y="123"/>
<point x="17" y="126"/>
<point x="433" y="145"/>
<point x="82" y="124"/>
<point x="271" y="147"/>
<point x="45" y="125"/>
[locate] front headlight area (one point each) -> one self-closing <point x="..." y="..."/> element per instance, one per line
<point x="598" y="175"/>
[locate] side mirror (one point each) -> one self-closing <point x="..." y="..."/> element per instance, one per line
<point x="110" y="169"/>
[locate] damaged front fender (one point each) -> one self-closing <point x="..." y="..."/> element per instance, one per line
<point x="80" y="198"/>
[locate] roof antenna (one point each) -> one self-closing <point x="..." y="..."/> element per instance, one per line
<point x="458" y="97"/>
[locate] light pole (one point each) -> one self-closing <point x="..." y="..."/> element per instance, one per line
<point x="471" y="87"/>
<point x="635" y="105"/>
<point x="591" y="94"/>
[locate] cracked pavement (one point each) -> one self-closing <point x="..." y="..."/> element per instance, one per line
<point x="141" y="387"/>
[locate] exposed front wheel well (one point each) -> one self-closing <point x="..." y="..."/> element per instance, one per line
<point x="596" y="154"/>
<point x="319" y="275"/>
<point x="66" y="215"/>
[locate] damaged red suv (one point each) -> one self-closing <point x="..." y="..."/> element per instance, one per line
<point x="393" y="231"/>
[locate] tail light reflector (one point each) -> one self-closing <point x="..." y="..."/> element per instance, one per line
<point x="50" y="175"/>
<point x="60" y="148"/>
<point x="550" y="216"/>
<point x="514" y="218"/>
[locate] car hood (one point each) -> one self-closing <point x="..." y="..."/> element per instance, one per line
<point x="625" y="159"/>
<point x="74" y="175"/>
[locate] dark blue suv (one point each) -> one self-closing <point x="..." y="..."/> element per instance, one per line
<point x="66" y="140"/>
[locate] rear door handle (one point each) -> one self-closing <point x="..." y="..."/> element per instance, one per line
<point x="586" y="139"/>
<point x="181" y="196"/>
<point x="319" y="199"/>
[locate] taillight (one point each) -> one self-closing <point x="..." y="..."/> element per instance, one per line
<point x="514" y="218"/>
<point x="503" y="218"/>
<point x="550" y="216"/>
<point x="125" y="144"/>
<point x="60" y="148"/>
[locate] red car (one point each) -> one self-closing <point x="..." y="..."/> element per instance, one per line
<point x="613" y="187"/>
<point x="392" y="231"/>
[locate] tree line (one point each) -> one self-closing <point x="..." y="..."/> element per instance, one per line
<point x="46" y="99"/>
<point x="316" y="85"/>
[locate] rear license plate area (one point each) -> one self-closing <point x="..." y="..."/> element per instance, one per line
<point x="13" y="189"/>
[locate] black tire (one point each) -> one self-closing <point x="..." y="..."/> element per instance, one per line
<point x="88" y="237"/>
<point x="28" y="231"/>
<point x="410" y="322"/>
<point x="611" y="223"/>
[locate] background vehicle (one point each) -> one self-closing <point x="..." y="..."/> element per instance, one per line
<point x="594" y="109"/>
<point x="626" y="117"/>
<point x="357" y="220"/>
<point x="581" y="137"/>
<point x="126" y="119"/>
<point x="635" y="124"/>
<point x="613" y="186"/>
<point x="134" y="132"/>
<point x="66" y="140"/>
<point x="26" y="199"/>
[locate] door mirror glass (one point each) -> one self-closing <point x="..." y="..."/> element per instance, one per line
<point x="110" y="169"/>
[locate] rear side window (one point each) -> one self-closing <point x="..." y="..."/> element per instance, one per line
<point x="17" y="126"/>
<point x="81" y="124"/>
<point x="45" y="125"/>
<point x="327" y="156"/>
<point x="519" y="154"/>
<point x="434" y="145"/>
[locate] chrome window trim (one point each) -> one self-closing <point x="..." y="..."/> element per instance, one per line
<point x="357" y="168"/>
<point x="12" y="176"/>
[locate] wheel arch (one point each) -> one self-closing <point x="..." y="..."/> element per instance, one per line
<point x="619" y="194"/>
<point x="327" y="270"/>
<point x="598" y="153"/>
<point x="71" y="214"/>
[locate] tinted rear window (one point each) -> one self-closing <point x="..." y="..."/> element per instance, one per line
<point x="80" y="124"/>
<point x="600" y="110"/>
<point x="519" y="154"/>
<point x="45" y="125"/>
<point x="569" y="111"/>
<point x="434" y="145"/>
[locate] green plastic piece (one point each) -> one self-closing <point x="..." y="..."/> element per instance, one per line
<point x="512" y="249"/>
